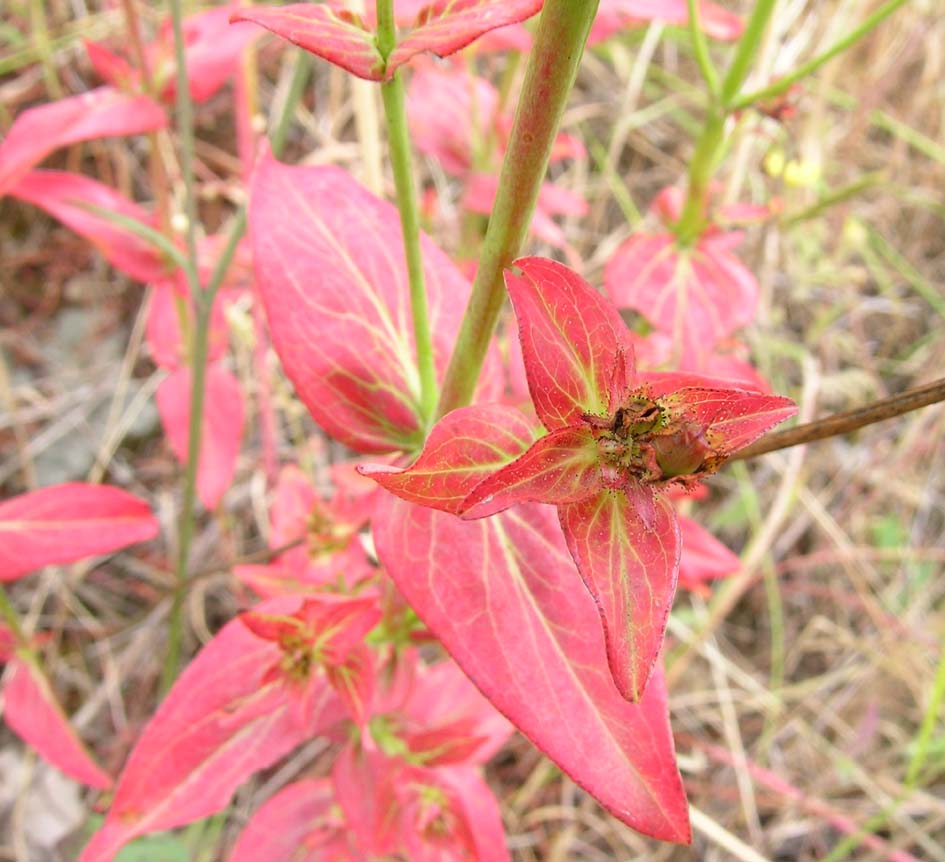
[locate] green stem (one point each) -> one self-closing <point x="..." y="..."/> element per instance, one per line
<point x="748" y="46"/>
<point x="776" y="88"/>
<point x="10" y="616"/>
<point x="200" y="335"/>
<point x="701" y="170"/>
<point x="549" y="76"/>
<point x="396" y="115"/>
<point x="44" y="48"/>
<point x="700" y="47"/>
<point x="395" y="112"/>
<point x="927" y="728"/>
<point x="300" y="75"/>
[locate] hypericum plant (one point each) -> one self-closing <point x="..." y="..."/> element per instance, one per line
<point x="538" y="542"/>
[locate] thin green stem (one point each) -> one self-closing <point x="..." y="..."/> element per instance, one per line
<point x="395" y="112"/>
<point x="10" y="616"/>
<point x="185" y="133"/>
<point x="776" y="88"/>
<point x="700" y="47"/>
<point x="549" y="76"/>
<point x="748" y="46"/>
<point x="200" y="335"/>
<point x="927" y="727"/>
<point x="40" y="28"/>
<point x="692" y="220"/>
<point x="151" y="236"/>
<point x="300" y="75"/>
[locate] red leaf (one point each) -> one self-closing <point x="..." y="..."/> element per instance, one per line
<point x="561" y="467"/>
<point x="222" y="427"/>
<point x="698" y="296"/>
<point x="616" y="15"/>
<point x="364" y="787"/>
<point x="221" y="722"/>
<point x="447" y="26"/>
<point x="99" y="113"/>
<point x="463" y="448"/>
<point x="501" y="595"/>
<point x="629" y="563"/>
<point x="449" y="813"/>
<point x="64" y="523"/>
<point x="447" y="720"/>
<point x="334" y="284"/>
<point x="704" y="558"/>
<point x="61" y="194"/>
<point x="32" y="712"/>
<point x="327" y="30"/>
<point x="734" y="418"/>
<point x="297" y="824"/>
<point x="570" y="335"/>
<point x="7" y="643"/>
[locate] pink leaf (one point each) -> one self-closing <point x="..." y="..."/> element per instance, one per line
<point x="463" y="448"/>
<point x="449" y="813"/>
<point x="100" y="113"/>
<point x="501" y="595"/>
<point x="334" y="285"/>
<point x="630" y="568"/>
<point x="222" y="721"/>
<point x="297" y="824"/>
<point x="447" y="26"/>
<point x="698" y="297"/>
<point x="64" y="523"/>
<point x="222" y="427"/>
<point x="447" y="720"/>
<point x="704" y="557"/>
<point x="570" y="335"/>
<point x="327" y="30"/>
<point x="616" y="15"/>
<point x="733" y="418"/>
<point x="364" y="787"/>
<point x="7" y="643"/>
<point x="62" y="195"/>
<point x="561" y="467"/>
<point x="32" y="712"/>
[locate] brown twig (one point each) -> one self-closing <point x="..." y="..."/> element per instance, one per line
<point x="848" y="422"/>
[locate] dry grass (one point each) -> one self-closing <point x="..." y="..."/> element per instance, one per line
<point x="799" y="688"/>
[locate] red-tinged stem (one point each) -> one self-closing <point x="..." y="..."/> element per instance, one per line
<point x="848" y="422"/>
<point x="549" y="76"/>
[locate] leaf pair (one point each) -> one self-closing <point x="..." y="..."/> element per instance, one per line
<point x="615" y="442"/>
<point x="334" y="33"/>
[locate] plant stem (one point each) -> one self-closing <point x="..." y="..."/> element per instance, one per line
<point x="200" y="336"/>
<point x="549" y="76"/>
<point x="10" y="616"/>
<point x="846" y="423"/>
<point x="748" y="46"/>
<point x="300" y="75"/>
<point x="395" y="112"/>
<point x="692" y="220"/>
<point x="776" y="88"/>
<point x="700" y="47"/>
